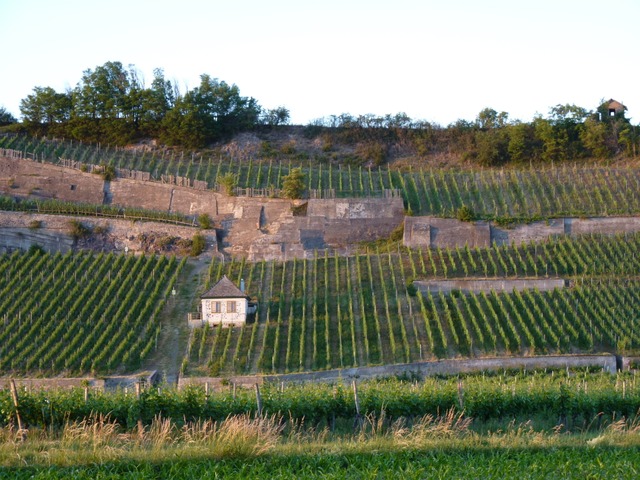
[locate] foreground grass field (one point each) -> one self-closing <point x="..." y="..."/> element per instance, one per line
<point x="543" y="424"/>
<point x="437" y="448"/>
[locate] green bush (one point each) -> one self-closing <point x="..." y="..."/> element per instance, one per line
<point x="204" y="221"/>
<point x="108" y="172"/>
<point x="35" y="248"/>
<point x="78" y="230"/>
<point x="228" y="182"/>
<point x="465" y="214"/>
<point x="198" y="245"/>
<point x="293" y="184"/>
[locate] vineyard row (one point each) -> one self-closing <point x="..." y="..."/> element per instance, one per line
<point x="529" y="193"/>
<point x="335" y="312"/>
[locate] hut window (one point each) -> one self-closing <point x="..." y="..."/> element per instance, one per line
<point x="231" y="307"/>
<point x="215" y="307"/>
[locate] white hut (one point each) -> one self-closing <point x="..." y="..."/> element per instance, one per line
<point x="226" y="304"/>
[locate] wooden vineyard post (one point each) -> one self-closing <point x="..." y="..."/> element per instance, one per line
<point x="333" y="411"/>
<point x="14" y="395"/>
<point x="140" y="426"/>
<point x="258" y="401"/>
<point x="357" y="424"/>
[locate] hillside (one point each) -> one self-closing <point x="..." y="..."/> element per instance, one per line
<point x="325" y="307"/>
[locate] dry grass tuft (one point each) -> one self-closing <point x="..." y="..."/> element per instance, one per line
<point x="619" y="432"/>
<point x="429" y="427"/>
<point x="243" y="436"/>
<point x="239" y="435"/>
<point x="96" y="430"/>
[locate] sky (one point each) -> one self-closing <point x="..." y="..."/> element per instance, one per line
<point x="435" y="60"/>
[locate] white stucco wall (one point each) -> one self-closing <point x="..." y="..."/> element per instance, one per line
<point x="239" y="317"/>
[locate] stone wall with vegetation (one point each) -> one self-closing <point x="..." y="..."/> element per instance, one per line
<point x="451" y="233"/>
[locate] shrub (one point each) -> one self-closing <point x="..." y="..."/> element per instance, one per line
<point x="35" y="224"/>
<point x="78" y="230"/>
<point x="293" y="184"/>
<point x="228" y="182"/>
<point x="465" y="214"/>
<point x="288" y="148"/>
<point x="108" y="172"/>
<point x="198" y="245"/>
<point x="267" y="150"/>
<point x="204" y="221"/>
<point x="374" y="152"/>
<point x="166" y="241"/>
<point x="35" y="248"/>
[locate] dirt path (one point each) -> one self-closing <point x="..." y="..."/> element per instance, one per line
<point x="172" y="343"/>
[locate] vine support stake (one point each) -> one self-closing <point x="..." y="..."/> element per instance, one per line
<point x="258" y="401"/>
<point x="22" y="433"/>
<point x="357" y="424"/>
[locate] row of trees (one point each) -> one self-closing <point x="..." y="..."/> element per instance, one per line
<point x="569" y="132"/>
<point x="112" y="105"/>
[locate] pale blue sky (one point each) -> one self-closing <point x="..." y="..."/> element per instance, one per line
<point x="435" y="60"/>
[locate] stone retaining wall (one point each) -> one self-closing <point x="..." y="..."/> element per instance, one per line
<point x="44" y="180"/>
<point x="259" y="228"/>
<point x="451" y="233"/>
<point x="606" y="362"/>
<point x="482" y="285"/>
<point x="445" y="233"/>
<point x="602" y="225"/>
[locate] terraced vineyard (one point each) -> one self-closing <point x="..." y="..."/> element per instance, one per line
<point x="80" y="312"/>
<point x="542" y="191"/>
<point x="334" y="312"/>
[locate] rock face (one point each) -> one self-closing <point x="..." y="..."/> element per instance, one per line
<point x="254" y="227"/>
<point x="53" y="233"/>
